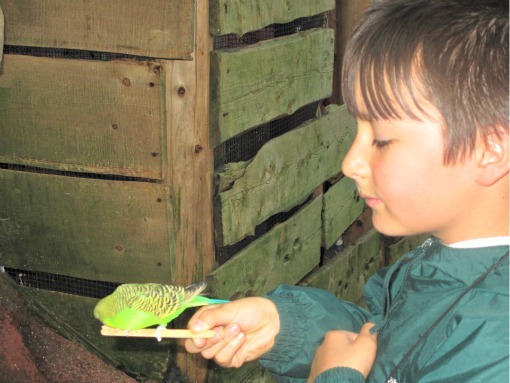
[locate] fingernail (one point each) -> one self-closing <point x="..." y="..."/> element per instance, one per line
<point x="198" y="326"/>
<point x="238" y="339"/>
<point x="233" y="328"/>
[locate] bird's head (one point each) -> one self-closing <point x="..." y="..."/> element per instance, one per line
<point x="105" y="309"/>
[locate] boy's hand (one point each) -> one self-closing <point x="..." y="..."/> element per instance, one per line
<point x="245" y="330"/>
<point x="345" y="349"/>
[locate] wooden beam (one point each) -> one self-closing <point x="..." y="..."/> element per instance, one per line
<point x="255" y="84"/>
<point x="83" y="115"/>
<point x="342" y="206"/>
<point x="190" y="159"/>
<point x="287" y="169"/>
<point x="288" y="252"/>
<point x="346" y="274"/>
<point x="156" y="28"/>
<point x="113" y="231"/>
<point x="2" y="30"/>
<point x="239" y="17"/>
<point x="348" y="13"/>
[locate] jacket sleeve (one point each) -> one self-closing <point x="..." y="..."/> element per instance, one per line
<point x="340" y="375"/>
<point x="306" y="315"/>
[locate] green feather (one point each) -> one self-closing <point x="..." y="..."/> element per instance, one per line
<point x="135" y="306"/>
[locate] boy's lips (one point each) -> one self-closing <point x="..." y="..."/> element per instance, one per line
<point x="370" y="201"/>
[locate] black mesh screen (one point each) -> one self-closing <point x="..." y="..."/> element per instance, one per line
<point x="63" y="53"/>
<point x="112" y="177"/>
<point x="246" y="145"/>
<point x="61" y="283"/>
<point x="270" y="32"/>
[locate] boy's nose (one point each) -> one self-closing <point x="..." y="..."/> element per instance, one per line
<point x="355" y="164"/>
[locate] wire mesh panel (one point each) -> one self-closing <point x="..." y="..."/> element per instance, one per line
<point x="111" y="177"/>
<point x="233" y="40"/>
<point x="63" y="53"/>
<point x="246" y="145"/>
<point x="61" y="283"/>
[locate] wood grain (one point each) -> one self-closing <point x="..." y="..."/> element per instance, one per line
<point x="156" y="28"/>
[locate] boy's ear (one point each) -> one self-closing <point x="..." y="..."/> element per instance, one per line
<point x="493" y="157"/>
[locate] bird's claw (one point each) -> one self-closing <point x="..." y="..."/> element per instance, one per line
<point x="158" y="332"/>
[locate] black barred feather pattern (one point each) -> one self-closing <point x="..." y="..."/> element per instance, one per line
<point x="160" y="300"/>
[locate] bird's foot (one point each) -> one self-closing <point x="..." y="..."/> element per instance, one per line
<point x="158" y="332"/>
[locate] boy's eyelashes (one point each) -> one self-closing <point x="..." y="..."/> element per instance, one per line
<point x="380" y="144"/>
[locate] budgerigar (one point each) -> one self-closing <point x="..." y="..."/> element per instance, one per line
<point x="135" y="306"/>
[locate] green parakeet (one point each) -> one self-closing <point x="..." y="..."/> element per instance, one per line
<point x="135" y="306"/>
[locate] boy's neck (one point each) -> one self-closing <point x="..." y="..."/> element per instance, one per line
<point x="486" y="216"/>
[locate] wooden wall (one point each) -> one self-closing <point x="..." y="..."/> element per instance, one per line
<point x="106" y="171"/>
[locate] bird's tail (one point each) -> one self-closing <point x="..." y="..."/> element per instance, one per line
<point x="204" y="301"/>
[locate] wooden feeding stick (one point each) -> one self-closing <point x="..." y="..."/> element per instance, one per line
<point x="152" y="333"/>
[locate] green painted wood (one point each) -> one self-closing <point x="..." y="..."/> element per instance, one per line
<point x="394" y="251"/>
<point x="285" y="171"/>
<point x="2" y="29"/>
<point x="346" y="274"/>
<point x="156" y="28"/>
<point x="87" y="228"/>
<point x="285" y="254"/>
<point x="72" y="317"/>
<point x="255" y="84"/>
<point x="87" y="116"/>
<point x="239" y="17"/>
<point x="342" y="206"/>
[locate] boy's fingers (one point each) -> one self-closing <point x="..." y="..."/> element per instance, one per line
<point x="195" y="345"/>
<point x="365" y="329"/>
<point x="229" y="355"/>
<point x="226" y="347"/>
<point x="209" y="317"/>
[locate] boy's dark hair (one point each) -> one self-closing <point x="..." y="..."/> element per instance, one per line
<point x="452" y="53"/>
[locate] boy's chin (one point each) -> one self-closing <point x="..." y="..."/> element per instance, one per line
<point x="391" y="229"/>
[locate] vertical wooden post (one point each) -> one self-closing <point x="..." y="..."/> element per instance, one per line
<point x="190" y="174"/>
<point x="348" y="13"/>
<point x="2" y="27"/>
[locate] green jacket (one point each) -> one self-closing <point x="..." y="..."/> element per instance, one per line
<point x="468" y="344"/>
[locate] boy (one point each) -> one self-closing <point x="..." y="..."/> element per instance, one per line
<point x="427" y="81"/>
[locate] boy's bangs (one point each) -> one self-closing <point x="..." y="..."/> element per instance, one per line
<point x="379" y="89"/>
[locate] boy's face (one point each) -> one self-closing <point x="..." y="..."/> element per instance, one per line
<point x="398" y="168"/>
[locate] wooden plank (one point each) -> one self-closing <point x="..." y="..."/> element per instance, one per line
<point x="72" y="317"/>
<point x="191" y="172"/>
<point x="158" y="28"/>
<point x="87" y="228"/>
<point x="253" y="85"/>
<point x="2" y="29"/>
<point x="285" y="254"/>
<point x="85" y="116"/>
<point x="239" y="17"/>
<point x="348" y="14"/>
<point x="346" y="274"/>
<point x="342" y="206"/>
<point x="285" y="171"/>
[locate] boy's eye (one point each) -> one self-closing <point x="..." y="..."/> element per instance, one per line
<point x="381" y="144"/>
